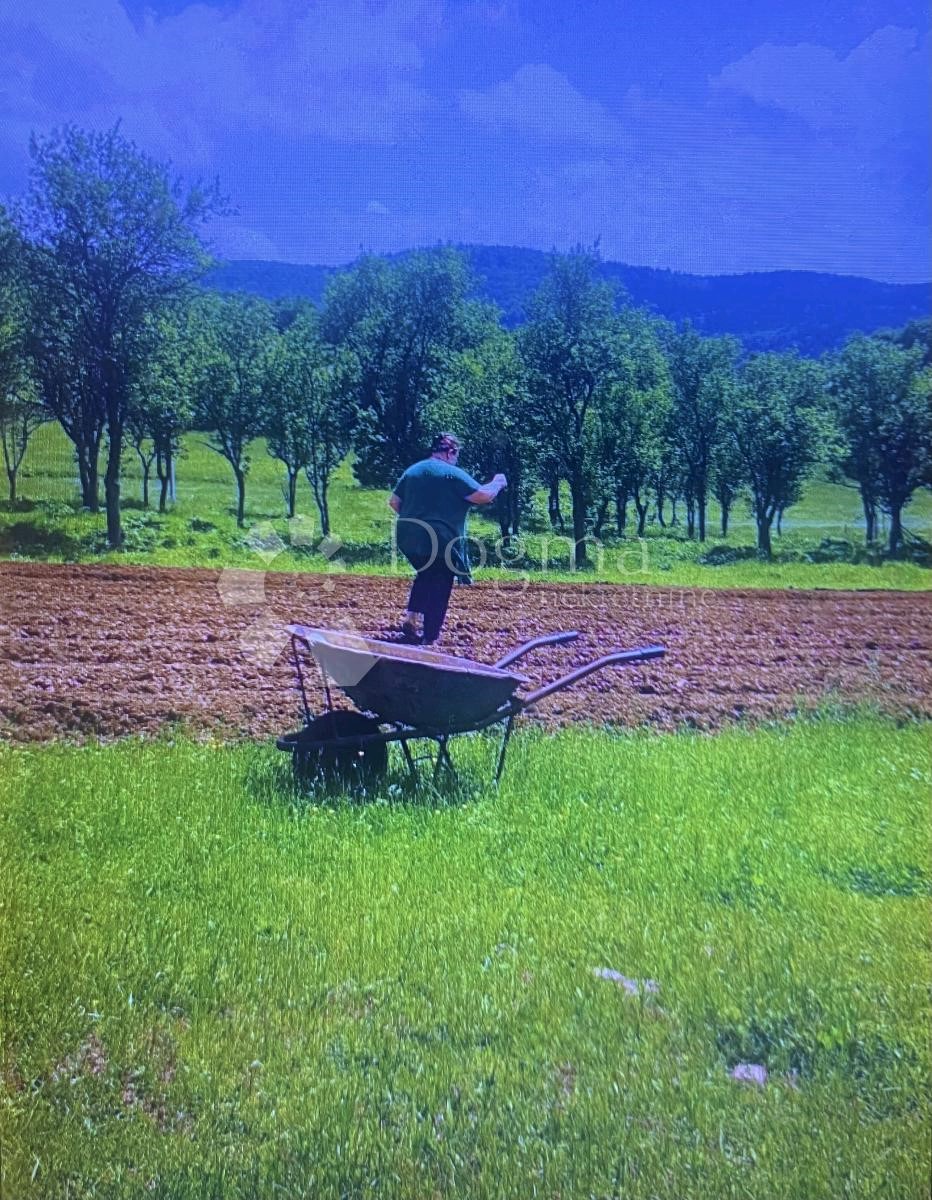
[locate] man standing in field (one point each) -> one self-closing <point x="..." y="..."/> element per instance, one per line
<point x="431" y="500"/>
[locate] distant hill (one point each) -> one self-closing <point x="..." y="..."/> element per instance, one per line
<point x="774" y="310"/>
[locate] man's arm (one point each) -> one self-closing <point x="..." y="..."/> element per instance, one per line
<point x="487" y="493"/>
<point x="394" y="503"/>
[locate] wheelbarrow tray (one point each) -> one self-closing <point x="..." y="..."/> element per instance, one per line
<point x="410" y="685"/>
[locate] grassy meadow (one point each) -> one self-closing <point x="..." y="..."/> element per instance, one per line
<point x="821" y="544"/>
<point x="215" y="987"/>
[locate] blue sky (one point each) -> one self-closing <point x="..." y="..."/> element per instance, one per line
<point x="703" y="137"/>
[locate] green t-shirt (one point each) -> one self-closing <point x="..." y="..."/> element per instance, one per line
<point x="433" y="497"/>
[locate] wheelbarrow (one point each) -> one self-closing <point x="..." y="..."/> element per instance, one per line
<point x="406" y="693"/>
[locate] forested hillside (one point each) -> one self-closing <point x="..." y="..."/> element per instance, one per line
<point x="777" y="310"/>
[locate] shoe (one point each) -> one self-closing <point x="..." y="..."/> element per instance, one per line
<point x="409" y="633"/>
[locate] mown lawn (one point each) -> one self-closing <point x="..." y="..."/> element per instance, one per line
<point x="821" y="544"/>
<point x="213" y="987"/>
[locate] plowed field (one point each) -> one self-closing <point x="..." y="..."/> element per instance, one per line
<point x="89" y="651"/>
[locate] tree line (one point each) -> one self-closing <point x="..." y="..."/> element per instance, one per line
<point x="104" y="329"/>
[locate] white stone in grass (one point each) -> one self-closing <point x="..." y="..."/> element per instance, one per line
<point x="633" y="987"/>
<point x="755" y="1073"/>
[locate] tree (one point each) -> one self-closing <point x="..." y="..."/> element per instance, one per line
<point x="165" y="392"/>
<point x="234" y="337"/>
<point x="727" y="479"/>
<point x="779" y="429"/>
<point x="884" y="410"/>
<point x="489" y="402"/>
<point x="112" y="239"/>
<point x="405" y="324"/>
<point x="632" y="420"/>
<point x="309" y="409"/>
<point x="20" y="416"/>
<point x="702" y="370"/>
<point x="571" y="358"/>
<point x="20" y="413"/>
<point x="914" y="333"/>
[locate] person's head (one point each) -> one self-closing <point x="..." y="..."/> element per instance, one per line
<point x="446" y="446"/>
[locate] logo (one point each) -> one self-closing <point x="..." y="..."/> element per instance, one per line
<point x="266" y="635"/>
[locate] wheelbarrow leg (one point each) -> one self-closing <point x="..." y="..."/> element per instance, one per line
<point x="412" y="769"/>
<point x="443" y="760"/>
<point x="501" y="753"/>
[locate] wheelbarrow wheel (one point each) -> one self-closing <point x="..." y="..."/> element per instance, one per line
<point x="352" y="765"/>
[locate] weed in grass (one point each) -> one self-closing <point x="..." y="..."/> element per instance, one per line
<point x="879" y="880"/>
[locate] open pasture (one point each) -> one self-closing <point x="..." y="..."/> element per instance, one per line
<point x="212" y="987"/>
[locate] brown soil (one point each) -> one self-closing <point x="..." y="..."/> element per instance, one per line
<point x="89" y="651"/>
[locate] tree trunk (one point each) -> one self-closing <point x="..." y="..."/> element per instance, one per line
<point x="324" y="510"/>
<point x="780" y="521"/>
<point x="674" y="519"/>
<point x="700" y="508"/>
<point x="112" y="486"/>
<point x="240" y="496"/>
<point x="11" y="475"/>
<point x="292" y="490"/>
<point x="553" y="505"/>
<point x="642" y="513"/>
<point x="661" y="499"/>
<point x="726" y="509"/>
<point x="600" y="518"/>
<point x="690" y="518"/>
<point x="578" y="497"/>
<point x="870" y="516"/>
<point x="88" y="473"/>
<point x="621" y="512"/>
<point x="896" y="529"/>
<point x="161" y="473"/>
<point x="763" y="535"/>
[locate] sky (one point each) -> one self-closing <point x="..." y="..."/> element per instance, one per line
<point x="708" y="136"/>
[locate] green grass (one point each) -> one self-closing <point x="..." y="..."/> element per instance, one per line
<point x="212" y="987"/>
<point x="821" y="546"/>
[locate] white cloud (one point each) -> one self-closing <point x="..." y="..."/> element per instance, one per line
<point x="338" y="69"/>
<point x="539" y="102"/>
<point x="867" y="93"/>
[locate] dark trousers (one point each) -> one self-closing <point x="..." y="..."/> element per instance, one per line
<point x="430" y="595"/>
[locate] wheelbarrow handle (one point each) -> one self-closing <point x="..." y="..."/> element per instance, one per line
<point x="549" y="639"/>
<point x="619" y="658"/>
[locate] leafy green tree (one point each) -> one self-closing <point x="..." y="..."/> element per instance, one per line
<point x="569" y="347"/>
<point x="914" y="333"/>
<point x="489" y="402"/>
<point x="780" y="430"/>
<point x="883" y="400"/>
<point x="137" y="435"/>
<point x="233" y="339"/>
<point x="632" y="418"/>
<point x="65" y="385"/>
<point x="20" y="413"/>
<point x="111" y="239"/>
<point x="728" y="479"/>
<point x="161" y="399"/>
<point x="405" y="324"/>
<point x="309" y="410"/>
<point x="702" y="370"/>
